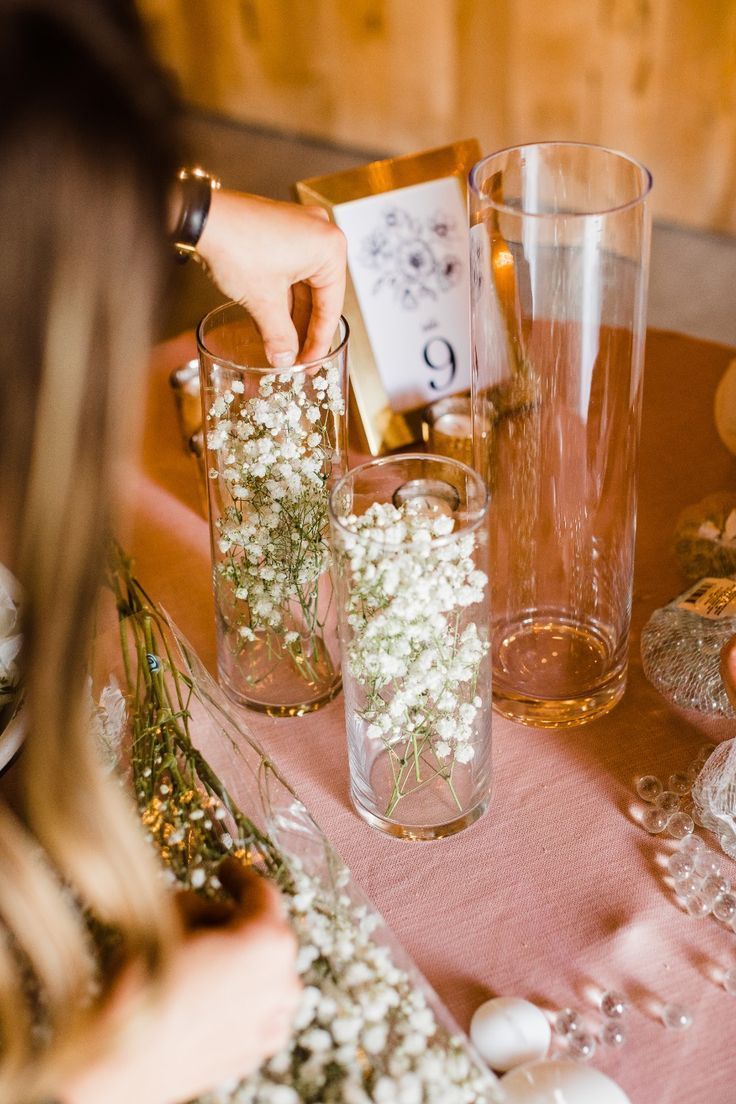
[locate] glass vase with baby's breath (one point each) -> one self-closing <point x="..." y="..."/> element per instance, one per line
<point x="412" y="575"/>
<point x="275" y="444"/>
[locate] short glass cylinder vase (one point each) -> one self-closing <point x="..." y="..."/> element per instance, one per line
<point x="410" y="548"/>
<point x="275" y="444"/>
<point x="559" y="267"/>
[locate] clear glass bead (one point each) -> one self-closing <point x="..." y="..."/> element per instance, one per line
<point x="567" y="1022"/>
<point x="654" y="820"/>
<point x="694" y="769"/>
<point x="707" y="862"/>
<point x="691" y="844"/>
<point x="680" y="825"/>
<point x="581" y="1045"/>
<point x="701" y="759"/>
<point x="724" y="907"/>
<point x="676" y="1017"/>
<point x="697" y="906"/>
<point x="688" y="885"/>
<point x="697" y="818"/>
<point x="729" y="981"/>
<point x="679" y="782"/>
<point x="649" y="787"/>
<point x="668" y="801"/>
<point x="614" y="1005"/>
<point x="713" y="886"/>
<point x="680" y="864"/>
<point x="612" y="1034"/>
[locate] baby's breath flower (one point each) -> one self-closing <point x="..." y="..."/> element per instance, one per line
<point x="273" y="464"/>
<point x="413" y="655"/>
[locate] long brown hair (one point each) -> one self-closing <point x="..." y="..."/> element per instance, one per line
<point x="86" y="158"/>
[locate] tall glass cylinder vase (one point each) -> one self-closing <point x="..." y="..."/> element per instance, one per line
<point x="559" y="257"/>
<point x="276" y="443"/>
<point x="410" y="563"/>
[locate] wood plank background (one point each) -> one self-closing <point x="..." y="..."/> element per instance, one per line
<point x="656" y="78"/>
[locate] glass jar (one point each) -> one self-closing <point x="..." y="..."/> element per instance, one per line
<point x="410" y="563"/>
<point x="275" y="444"/>
<point x="559" y="267"/>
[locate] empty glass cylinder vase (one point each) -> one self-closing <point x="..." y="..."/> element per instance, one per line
<point x="559" y="267"/>
<point x="275" y="444"/>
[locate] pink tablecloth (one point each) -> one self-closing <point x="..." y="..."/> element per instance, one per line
<point x="556" y="893"/>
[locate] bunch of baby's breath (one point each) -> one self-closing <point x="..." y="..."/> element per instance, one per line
<point x="365" y="1031"/>
<point x="184" y="806"/>
<point x="415" y="653"/>
<point x="272" y="462"/>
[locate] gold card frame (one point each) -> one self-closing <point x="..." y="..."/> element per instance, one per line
<point x="382" y="428"/>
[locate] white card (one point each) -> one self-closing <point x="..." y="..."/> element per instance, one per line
<point x="408" y="260"/>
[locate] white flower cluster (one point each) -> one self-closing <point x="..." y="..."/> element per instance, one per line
<point x="364" y="1034"/>
<point x="10" y="637"/>
<point x="415" y="661"/>
<point x="274" y="455"/>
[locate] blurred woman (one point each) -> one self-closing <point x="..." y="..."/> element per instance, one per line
<point x="87" y="159"/>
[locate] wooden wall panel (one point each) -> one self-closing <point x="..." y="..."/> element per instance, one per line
<point x="654" y="77"/>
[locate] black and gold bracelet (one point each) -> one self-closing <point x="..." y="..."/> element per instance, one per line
<point x="195" y="188"/>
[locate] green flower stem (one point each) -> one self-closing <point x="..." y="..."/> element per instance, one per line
<point x="161" y="722"/>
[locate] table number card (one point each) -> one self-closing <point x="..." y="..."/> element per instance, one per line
<point x="408" y="260"/>
<point x="407" y="300"/>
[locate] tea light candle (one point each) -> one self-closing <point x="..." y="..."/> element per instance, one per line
<point x="447" y="428"/>
<point x="508" y="1031"/>
<point x="560" y="1082"/>
<point x="433" y="494"/>
<point x="184" y="382"/>
<point x="455" y="424"/>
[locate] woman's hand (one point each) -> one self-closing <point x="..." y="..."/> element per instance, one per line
<point x="225" y="1007"/>
<point x="285" y="264"/>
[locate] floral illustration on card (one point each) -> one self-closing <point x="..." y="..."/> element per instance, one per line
<point x="415" y="259"/>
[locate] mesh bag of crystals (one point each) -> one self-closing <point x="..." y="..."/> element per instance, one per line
<point x="714" y="795"/>
<point x="681" y="654"/>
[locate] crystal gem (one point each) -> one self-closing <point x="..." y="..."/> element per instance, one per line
<point x="581" y="1045"/>
<point x="676" y="1017"/>
<point x="614" y="1005"/>
<point x="612" y="1034"/>
<point x="680" y="825"/>
<point x="567" y="1021"/>
<point x="724" y="907"/>
<point x="654" y="820"/>
<point x="649" y="787"/>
